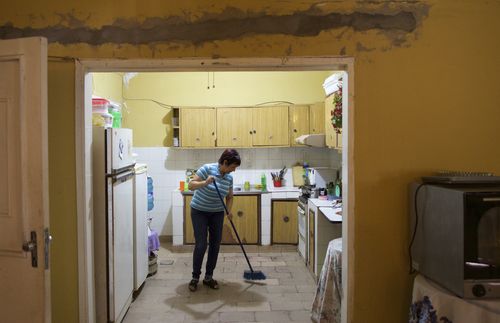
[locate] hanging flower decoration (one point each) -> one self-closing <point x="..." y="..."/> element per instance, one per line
<point x="336" y="113"/>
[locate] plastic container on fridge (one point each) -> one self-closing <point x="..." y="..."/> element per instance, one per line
<point x="116" y="111"/>
<point x="102" y="120"/>
<point x="100" y="105"/>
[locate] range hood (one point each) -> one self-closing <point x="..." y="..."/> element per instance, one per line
<point x="313" y="140"/>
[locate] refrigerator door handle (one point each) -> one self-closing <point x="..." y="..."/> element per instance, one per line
<point x="122" y="177"/>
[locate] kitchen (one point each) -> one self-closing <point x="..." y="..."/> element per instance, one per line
<point x="156" y="107"/>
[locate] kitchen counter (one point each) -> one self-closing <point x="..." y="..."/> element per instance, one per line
<point x="321" y="203"/>
<point x="242" y="192"/>
<point x="266" y="197"/>
<point x="332" y="214"/>
<point x="254" y="191"/>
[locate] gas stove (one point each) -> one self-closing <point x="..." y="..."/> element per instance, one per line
<point x="306" y="191"/>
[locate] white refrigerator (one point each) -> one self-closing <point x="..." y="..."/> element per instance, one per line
<point x="113" y="174"/>
<point x="140" y="225"/>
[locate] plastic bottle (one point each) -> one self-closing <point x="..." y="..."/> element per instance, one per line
<point x="150" y="194"/>
<point x="263" y="182"/>
<point x="338" y="185"/>
<point x="115" y="110"/>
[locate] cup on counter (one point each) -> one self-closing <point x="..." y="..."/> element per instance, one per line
<point x="181" y="186"/>
<point x="277" y="183"/>
<point x="246" y="186"/>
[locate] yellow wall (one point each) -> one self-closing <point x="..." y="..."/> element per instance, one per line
<point x="426" y="98"/>
<point x="151" y="121"/>
<point x="62" y="191"/>
<point x="108" y="85"/>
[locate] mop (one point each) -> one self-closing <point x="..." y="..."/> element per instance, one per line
<point x="248" y="274"/>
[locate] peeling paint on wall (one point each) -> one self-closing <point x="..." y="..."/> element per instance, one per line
<point x="160" y="30"/>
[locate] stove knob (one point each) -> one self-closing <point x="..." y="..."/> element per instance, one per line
<point x="478" y="290"/>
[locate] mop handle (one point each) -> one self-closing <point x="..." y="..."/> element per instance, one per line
<point x="234" y="228"/>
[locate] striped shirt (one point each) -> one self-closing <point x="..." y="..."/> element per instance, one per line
<point x="206" y="198"/>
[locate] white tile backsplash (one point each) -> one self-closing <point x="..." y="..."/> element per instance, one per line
<point x="167" y="167"/>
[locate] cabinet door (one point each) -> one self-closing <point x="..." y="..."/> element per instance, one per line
<point x="188" y="224"/>
<point x="311" y="257"/>
<point x="197" y="127"/>
<point x="234" y="127"/>
<point x="317" y="118"/>
<point x="299" y="122"/>
<point x="284" y="222"/>
<point x="330" y="135"/>
<point x="246" y="220"/>
<point x="270" y="126"/>
<point x="339" y="140"/>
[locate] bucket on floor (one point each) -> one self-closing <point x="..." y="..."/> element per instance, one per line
<point x="153" y="264"/>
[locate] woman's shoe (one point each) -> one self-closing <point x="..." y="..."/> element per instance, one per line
<point x="212" y="283"/>
<point x="193" y="285"/>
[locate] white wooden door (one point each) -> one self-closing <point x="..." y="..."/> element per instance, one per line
<point x="24" y="207"/>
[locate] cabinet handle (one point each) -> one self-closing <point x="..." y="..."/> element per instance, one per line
<point x="294" y="130"/>
<point x="240" y="213"/>
<point x="250" y="131"/>
<point x="286" y="218"/>
<point x="254" y="131"/>
<point x="270" y="137"/>
<point x="234" y="138"/>
<point x="213" y="133"/>
<point x="197" y="139"/>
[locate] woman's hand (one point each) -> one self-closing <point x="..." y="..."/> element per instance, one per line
<point x="230" y="215"/>
<point x="210" y="179"/>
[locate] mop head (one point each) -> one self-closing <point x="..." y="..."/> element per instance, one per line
<point x="254" y="275"/>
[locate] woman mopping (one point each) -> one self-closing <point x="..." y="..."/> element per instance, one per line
<point x="207" y="213"/>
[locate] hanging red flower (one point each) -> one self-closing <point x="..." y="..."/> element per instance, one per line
<point x="336" y="113"/>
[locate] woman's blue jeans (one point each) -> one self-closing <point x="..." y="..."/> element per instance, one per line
<point x="203" y="223"/>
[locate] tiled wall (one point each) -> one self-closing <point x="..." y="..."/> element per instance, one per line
<point x="167" y="167"/>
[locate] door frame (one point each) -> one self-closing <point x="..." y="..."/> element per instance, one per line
<point x="83" y="137"/>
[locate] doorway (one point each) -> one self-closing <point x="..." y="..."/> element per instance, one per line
<point x="83" y="138"/>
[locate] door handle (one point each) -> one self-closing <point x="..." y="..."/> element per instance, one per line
<point x="286" y="218"/>
<point x="30" y="246"/>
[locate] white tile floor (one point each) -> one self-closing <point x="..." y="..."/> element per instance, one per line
<point x="286" y="295"/>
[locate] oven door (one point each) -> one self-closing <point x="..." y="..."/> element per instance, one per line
<point x="302" y="221"/>
<point x="482" y="236"/>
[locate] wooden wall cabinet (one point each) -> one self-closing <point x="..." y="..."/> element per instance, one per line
<point x="299" y="122"/>
<point x="251" y="126"/>
<point x="246" y="219"/>
<point x="197" y="127"/>
<point x="270" y="126"/>
<point x="317" y="118"/>
<point x="284" y="222"/>
<point x="333" y="140"/>
<point x="234" y="127"/>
